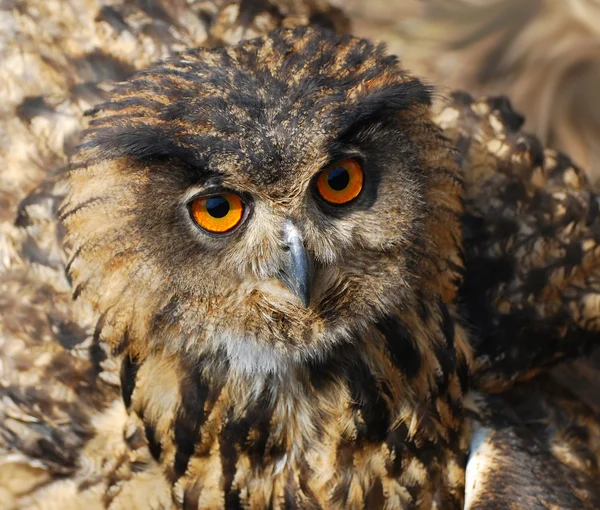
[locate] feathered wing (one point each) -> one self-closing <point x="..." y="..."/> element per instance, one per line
<point x="531" y="298"/>
<point x="532" y="225"/>
<point x="535" y="446"/>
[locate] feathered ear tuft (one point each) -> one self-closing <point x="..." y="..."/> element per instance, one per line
<point x="381" y="96"/>
<point x="143" y="141"/>
<point x="140" y="141"/>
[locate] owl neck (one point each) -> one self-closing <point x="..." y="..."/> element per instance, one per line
<point x="398" y="383"/>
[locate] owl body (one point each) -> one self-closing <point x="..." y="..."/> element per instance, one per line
<point x="278" y="383"/>
<point x="273" y="305"/>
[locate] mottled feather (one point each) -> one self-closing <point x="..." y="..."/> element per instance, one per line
<point x="371" y="418"/>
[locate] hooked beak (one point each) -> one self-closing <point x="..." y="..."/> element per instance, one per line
<point x="297" y="269"/>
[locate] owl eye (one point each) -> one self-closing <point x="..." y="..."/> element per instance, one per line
<point x="218" y="214"/>
<point x="341" y="182"/>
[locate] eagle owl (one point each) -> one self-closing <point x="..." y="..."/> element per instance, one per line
<point x="297" y="281"/>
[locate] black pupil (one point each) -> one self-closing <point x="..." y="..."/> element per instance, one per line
<point x="217" y="207"/>
<point x="338" y="178"/>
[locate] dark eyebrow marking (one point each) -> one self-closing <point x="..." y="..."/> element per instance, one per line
<point x="383" y="102"/>
<point x="138" y="141"/>
<point x="151" y="142"/>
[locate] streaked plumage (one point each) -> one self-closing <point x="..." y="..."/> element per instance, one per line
<point x="304" y="416"/>
<point x="318" y="387"/>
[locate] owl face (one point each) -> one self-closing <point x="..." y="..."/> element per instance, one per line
<point x="263" y="202"/>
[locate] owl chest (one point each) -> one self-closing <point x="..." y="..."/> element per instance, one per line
<point x="342" y="476"/>
<point x="262" y="464"/>
<point x="308" y="441"/>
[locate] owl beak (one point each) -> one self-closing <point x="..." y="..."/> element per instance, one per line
<point x="297" y="269"/>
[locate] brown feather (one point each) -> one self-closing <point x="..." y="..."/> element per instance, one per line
<point x="355" y="403"/>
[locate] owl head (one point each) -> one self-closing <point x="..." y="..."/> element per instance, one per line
<point x="263" y="202"/>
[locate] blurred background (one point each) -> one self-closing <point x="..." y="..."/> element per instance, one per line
<point x="543" y="54"/>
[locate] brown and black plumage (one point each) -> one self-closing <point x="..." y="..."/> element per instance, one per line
<point x="531" y="227"/>
<point x="530" y="298"/>
<point x="196" y="371"/>
<point x="274" y="398"/>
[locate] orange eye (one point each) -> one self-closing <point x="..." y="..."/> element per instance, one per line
<point x="341" y="182"/>
<point x="218" y="213"/>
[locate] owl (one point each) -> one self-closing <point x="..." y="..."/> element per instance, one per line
<point x="277" y="272"/>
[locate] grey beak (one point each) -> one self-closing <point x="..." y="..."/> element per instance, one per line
<point x="297" y="269"/>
